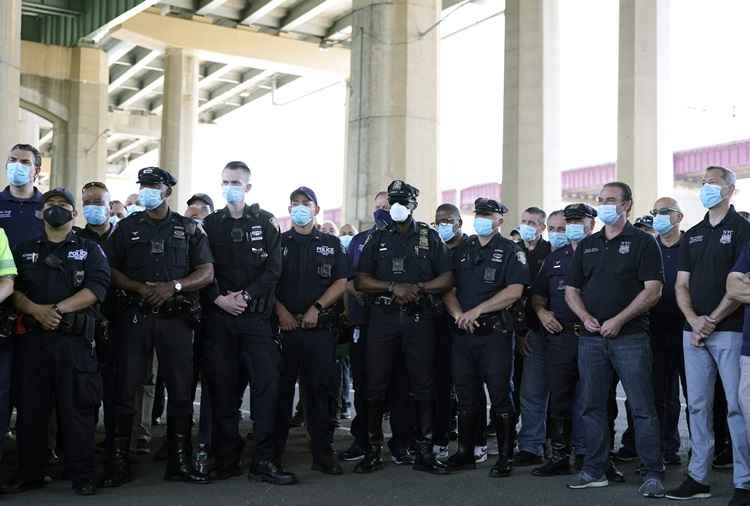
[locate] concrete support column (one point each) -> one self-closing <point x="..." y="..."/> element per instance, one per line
<point x="531" y="121"/>
<point x="86" y="148"/>
<point x="10" y="73"/>
<point x="179" y="121"/>
<point x="28" y="127"/>
<point x="393" y="107"/>
<point x="644" y="154"/>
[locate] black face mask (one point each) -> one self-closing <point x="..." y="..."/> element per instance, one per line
<point x="57" y="216"/>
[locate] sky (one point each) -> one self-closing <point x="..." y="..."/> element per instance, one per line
<point x="300" y="140"/>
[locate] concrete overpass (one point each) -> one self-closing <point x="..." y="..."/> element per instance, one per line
<point x="114" y="79"/>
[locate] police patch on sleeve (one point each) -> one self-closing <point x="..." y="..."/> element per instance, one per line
<point x="521" y="256"/>
<point x="274" y="223"/>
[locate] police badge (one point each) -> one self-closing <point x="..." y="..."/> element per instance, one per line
<point x="398" y="266"/>
<point x="726" y="237"/>
<point x="624" y="247"/>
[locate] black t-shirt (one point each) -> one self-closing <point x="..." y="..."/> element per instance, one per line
<point x="417" y="256"/>
<point x="483" y="271"/>
<point x="82" y="264"/>
<point x="144" y="249"/>
<point x="535" y="259"/>
<point x="708" y="253"/>
<point x="612" y="272"/>
<point x="550" y="284"/>
<point x="666" y="314"/>
<point x="310" y="264"/>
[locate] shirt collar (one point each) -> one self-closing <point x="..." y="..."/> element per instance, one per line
<point x="71" y="238"/>
<point x="731" y="213"/>
<point x="35" y="197"/>
<point x="393" y="227"/>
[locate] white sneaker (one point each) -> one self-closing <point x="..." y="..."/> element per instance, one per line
<point x="440" y="452"/>
<point x="480" y="454"/>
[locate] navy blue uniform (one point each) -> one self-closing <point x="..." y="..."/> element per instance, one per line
<point x="21" y="218"/>
<point x="247" y="257"/>
<point x="58" y="366"/>
<point x="311" y="264"/>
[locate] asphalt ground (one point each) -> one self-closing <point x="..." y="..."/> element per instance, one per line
<point x="395" y="485"/>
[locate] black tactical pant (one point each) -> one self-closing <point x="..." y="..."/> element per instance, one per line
<point x="55" y="370"/>
<point x="310" y="355"/>
<point x="136" y="337"/>
<point x="561" y="367"/>
<point x="233" y="347"/>
<point x="443" y="380"/>
<point x="401" y="419"/>
<point x="483" y="359"/>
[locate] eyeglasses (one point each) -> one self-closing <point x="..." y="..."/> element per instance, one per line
<point x="94" y="184"/>
<point x="663" y="210"/>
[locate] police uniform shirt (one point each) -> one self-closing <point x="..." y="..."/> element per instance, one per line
<point x="612" y="272"/>
<point x="311" y="264"/>
<point x="144" y="249"/>
<point x="92" y="235"/>
<point x="708" y="254"/>
<point x="21" y="218"/>
<point x="535" y="259"/>
<point x="356" y="312"/>
<point x="666" y="314"/>
<point x="247" y="252"/>
<point x="417" y="256"/>
<point x="743" y="267"/>
<point x="550" y="284"/>
<point x="482" y="271"/>
<point x="73" y="265"/>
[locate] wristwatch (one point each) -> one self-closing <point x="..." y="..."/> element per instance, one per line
<point x="318" y="306"/>
<point x="177" y="286"/>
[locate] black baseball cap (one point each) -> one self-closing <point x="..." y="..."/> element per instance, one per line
<point x="155" y="175"/>
<point x="645" y="222"/>
<point x="203" y="198"/>
<point x="482" y="205"/>
<point x="579" y="212"/>
<point x="307" y="192"/>
<point x="59" y="192"/>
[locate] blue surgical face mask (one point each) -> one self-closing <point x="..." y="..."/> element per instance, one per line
<point x="150" y="198"/>
<point x="18" y="173"/>
<point x="608" y="214"/>
<point x="113" y="220"/>
<point x="528" y="233"/>
<point x="662" y="224"/>
<point x="558" y="239"/>
<point x="301" y="215"/>
<point x="483" y="226"/>
<point x="710" y="195"/>
<point x="446" y="231"/>
<point x="575" y="231"/>
<point x="346" y="240"/>
<point x="233" y="193"/>
<point x="95" y="215"/>
<point x="134" y="208"/>
<point x="382" y="218"/>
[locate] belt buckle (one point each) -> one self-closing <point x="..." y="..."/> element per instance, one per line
<point x="577" y="329"/>
<point x="155" y="310"/>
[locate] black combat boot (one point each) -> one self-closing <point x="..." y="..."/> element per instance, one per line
<point x="425" y="459"/>
<point x="504" y="429"/>
<point x="464" y="456"/>
<point x="373" y="460"/>
<point x="559" y="462"/>
<point x="117" y="466"/>
<point x="179" y="463"/>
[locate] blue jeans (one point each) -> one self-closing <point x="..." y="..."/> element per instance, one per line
<point x="630" y="357"/>
<point x="534" y="395"/>
<point x="6" y="366"/>
<point x="721" y="353"/>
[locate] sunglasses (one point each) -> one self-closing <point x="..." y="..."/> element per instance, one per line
<point x="663" y="210"/>
<point x="95" y="184"/>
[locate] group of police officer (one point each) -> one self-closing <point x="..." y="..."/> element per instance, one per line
<point x="86" y="308"/>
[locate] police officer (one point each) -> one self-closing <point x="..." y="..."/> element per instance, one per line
<point x="159" y="261"/>
<point x="560" y="326"/>
<point x="61" y="277"/>
<point x="247" y="247"/>
<point x="491" y="274"/>
<point x="95" y="197"/>
<point x="313" y="281"/>
<point x="21" y="201"/>
<point x="404" y="268"/>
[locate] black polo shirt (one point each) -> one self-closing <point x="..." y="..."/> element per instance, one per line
<point x="310" y="265"/>
<point x="144" y="249"/>
<point x="92" y="235"/>
<point x="246" y="252"/>
<point x="708" y="254"/>
<point x="535" y="258"/>
<point x="419" y="255"/>
<point x="612" y="272"/>
<point x="666" y="315"/>
<point x="21" y="218"/>
<point x="550" y="284"/>
<point x="83" y="264"/>
<point x="483" y="271"/>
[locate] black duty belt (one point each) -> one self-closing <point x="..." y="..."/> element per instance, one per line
<point x="327" y="319"/>
<point x="491" y="323"/>
<point x="573" y="328"/>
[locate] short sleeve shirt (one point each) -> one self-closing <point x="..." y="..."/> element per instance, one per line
<point x="483" y="271"/>
<point x="21" y="218"/>
<point x="743" y="267"/>
<point x="550" y="284"/>
<point x="612" y="272"/>
<point x="708" y="253"/>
